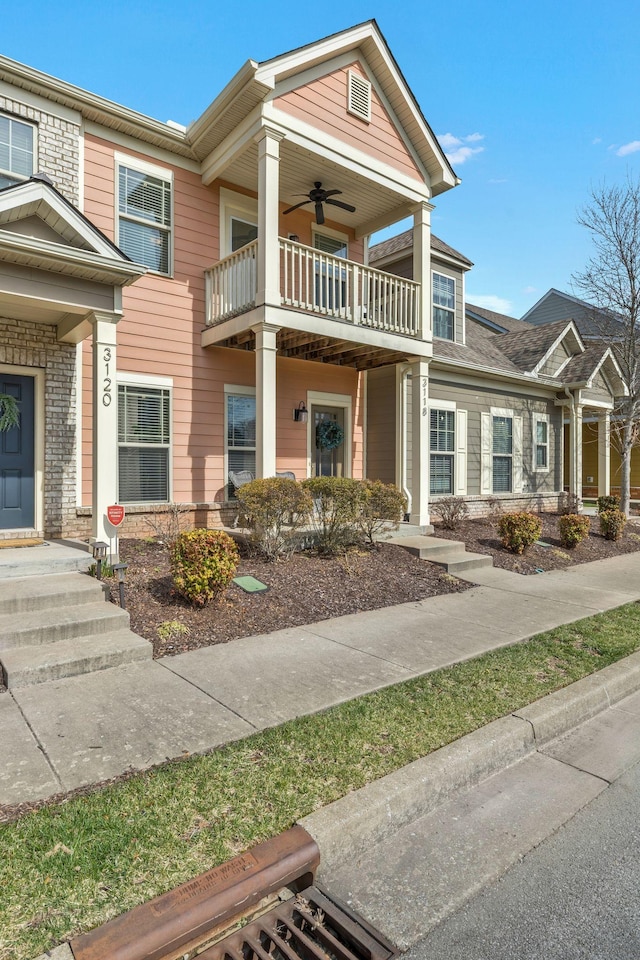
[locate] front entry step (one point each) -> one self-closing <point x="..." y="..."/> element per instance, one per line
<point x="61" y="626"/>
<point x="450" y="554"/>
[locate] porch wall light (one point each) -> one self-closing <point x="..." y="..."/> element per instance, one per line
<point x="300" y="413"/>
<point x="100" y="550"/>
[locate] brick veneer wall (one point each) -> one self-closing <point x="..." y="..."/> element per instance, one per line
<point x="34" y="345"/>
<point x="58" y="146"/>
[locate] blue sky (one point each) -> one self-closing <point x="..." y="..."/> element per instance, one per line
<point x="537" y="103"/>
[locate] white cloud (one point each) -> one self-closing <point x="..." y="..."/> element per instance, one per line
<point x="455" y="150"/>
<point x="529" y="289"/>
<point x="491" y="302"/>
<point x="597" y="140"/>
<point x="628" y="148"/>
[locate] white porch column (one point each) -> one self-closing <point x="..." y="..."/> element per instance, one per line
<point x="604" y="454"/>
<point x="419" y="442"/>
<point x="575" y="451"/>
<point x="422" y="264"/>
<point x="265" y="399"/>
<point x="104" y="480"/>
<point x="268" y="266"/>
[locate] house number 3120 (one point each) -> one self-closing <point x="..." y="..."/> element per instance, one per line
<point x="106" y="383"/>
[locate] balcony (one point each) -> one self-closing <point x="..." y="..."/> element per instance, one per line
<point x="318" y="284"/>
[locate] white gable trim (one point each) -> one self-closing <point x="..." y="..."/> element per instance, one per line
<point x="570" y="328"/>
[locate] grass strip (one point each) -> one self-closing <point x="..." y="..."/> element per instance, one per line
<point x="69" y="867"/>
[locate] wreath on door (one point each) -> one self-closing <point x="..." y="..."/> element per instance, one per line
<point x="329" y="435"/>
<point x="9" y="412"/>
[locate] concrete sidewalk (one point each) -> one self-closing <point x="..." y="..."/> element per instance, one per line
<point x="81" y="730"/>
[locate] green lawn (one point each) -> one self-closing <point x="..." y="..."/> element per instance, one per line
<point x="68" y="868"/>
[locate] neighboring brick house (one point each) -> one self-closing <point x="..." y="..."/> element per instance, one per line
<point x="172" y="301"/>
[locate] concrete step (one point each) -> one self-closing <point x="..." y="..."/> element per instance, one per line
<point x="26" y="594"/>
<point x="23" y="666"/>
<point x="429" y="548"/>
<point x="56" y="556"/>
<point x="406" y="530"/>
<point x="461" y="563"/>
<point x="49" y="626"/>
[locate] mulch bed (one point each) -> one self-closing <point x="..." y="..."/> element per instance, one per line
<point x="302" y="590"/>
<point x="481" y="536"/>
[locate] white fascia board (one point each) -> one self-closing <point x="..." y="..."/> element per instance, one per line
<point x="338" y="151"/>
<point x="231" y="147"/>
<point x="125" y="141"/>
<point x="17" y="248"/>
<point x="32" y="191"/>
<point x="38" y="102"/>
<point x="492" y="373"/>
<point x="246" y="75"/>
<point x="570" y="328"/>
<point x="88" y="104"/>
<point x="279" y="68"/>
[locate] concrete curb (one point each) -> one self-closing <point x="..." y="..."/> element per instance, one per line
<point x="348" y="827"/>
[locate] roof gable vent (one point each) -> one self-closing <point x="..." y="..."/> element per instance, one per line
<point x="359" y="97"/>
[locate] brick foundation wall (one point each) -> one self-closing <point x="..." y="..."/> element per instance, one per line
<point x="483" y="506"/>
<point x="58" y="145"/>
<point x="27" y="344"/>
<point x="155" y="521"/>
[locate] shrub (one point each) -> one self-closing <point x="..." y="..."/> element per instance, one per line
<point x="612" y="524"/>
<point x="451" y="511"/>
<point x="569" y="503"/>
<point x="273" y="510"/>
<point x="203" y="564"/>
<point x="573" y="529"/>
<point x="608" y="503"/>
<point x="382" y="505"/>
<point x="519" y="530"/>
<point x="337" y="504"/>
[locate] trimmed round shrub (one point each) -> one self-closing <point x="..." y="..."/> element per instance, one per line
<point x="203" y="564"/>
<point x="273" y="510"/>
<point x="383" y="506"/>
<point x="608" y="503"/>
<point x="519" y="530"/>
<point x="337" y="504"/>
<point x="573" y="529"/>
<point x="612" y="524"/>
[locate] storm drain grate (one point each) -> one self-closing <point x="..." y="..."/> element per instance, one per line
<point x="309" y="926"/>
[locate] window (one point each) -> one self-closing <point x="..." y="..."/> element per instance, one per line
<point x="444" y="306"/>
<point x="144" y="217"/>
<point x="144" y="434"/>
<point x="502" y="447"/>
<point x="359" y="97"/>
<point x="242" y="233"/>
<point x="241" y="432"/>
<point x="541" y="442"/>
<point x="442" y="446"/>
<point x="16" y="150"/>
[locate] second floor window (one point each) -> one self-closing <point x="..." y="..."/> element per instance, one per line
<point x="16" y="150"/>
<point x="144" y="218"/>
<point x="444" y="306"/>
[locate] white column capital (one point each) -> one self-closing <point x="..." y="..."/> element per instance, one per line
<point x="269" y="137"/>
<point x="422" y="211"/>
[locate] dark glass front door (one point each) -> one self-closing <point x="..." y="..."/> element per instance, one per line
<point x="17" y="487"/>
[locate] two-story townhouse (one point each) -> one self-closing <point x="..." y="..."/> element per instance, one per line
<point x="178" y="305"/>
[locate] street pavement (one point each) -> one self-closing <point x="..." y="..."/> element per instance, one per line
<point x="576" y="896"/>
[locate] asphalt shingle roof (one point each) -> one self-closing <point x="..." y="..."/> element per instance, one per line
<point x="526" y="348"/>
<point x="403" y="242"/>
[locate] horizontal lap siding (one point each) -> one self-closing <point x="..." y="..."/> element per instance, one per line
<point x="323" y="103"/>
<point x="477" y="400"/>
<point x="381" y="424"/>
<point x="555" y="361"/>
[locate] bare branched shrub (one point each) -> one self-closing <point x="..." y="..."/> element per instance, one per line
<point x="450" y="510"/>
<point x="168" y="524"/>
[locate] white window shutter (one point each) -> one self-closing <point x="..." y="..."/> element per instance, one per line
<point x="461" y="453"/>
<point x="517" y="454"/>
<point x="486" y="450"/>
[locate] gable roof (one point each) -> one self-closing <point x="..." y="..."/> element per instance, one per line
<point x="402" y="245"/>
<point x="590" y="320"/>
<point x="499" y="322"/>
<point x="529" y="348"/>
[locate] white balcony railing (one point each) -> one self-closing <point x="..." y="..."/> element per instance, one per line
<point x="317" y="283"/>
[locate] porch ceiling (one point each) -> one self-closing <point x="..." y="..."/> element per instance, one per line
<point x="299" y="169"/>
<point x="295" y="345"/>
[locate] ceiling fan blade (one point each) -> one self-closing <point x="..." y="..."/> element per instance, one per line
<point x="291" y="209"/>
<point x="331" y="193"/>
<point x="319" y="213"/>
<point x="345" y="206"/>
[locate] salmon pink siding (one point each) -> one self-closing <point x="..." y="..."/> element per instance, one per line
<point x="323" y="104"/>
<point x="160" y="335"/>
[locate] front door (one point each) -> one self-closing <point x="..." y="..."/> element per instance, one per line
<point x="328" y="461"/>
<point x="17" y="486"/>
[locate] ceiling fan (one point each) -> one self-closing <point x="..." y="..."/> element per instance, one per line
<point x="319" y="196"/>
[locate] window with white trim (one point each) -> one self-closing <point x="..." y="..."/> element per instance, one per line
<point x="444" y="306"/>
<point x="541" y="442"/>
<point x="502" y="454"/>
<point x="145" y="216"/>
<point x="441" y="451"/>
<point x="144" y="443"/>
<point x="240" y="431"/>
<point x="17" y="150"/>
